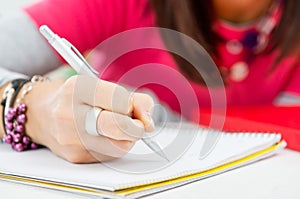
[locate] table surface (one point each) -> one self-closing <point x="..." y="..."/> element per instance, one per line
<point x="276" y="177"/>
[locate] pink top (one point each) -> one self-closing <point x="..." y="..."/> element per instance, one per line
<point x="130" y="59"/>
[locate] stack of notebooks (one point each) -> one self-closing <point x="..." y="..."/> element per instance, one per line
<point x="142" y="172"/>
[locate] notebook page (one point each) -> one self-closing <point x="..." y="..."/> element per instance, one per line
<point x="135" y="193"/>
<point x="140" y="166"/>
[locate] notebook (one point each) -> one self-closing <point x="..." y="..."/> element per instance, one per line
<point x="142" y="172"/>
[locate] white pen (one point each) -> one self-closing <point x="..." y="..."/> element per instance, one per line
<point x="81" y="66"/>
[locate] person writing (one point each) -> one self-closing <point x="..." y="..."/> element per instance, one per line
<point x="254" y="44"/>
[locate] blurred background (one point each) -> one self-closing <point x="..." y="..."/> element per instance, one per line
<point x="7" y="6"/>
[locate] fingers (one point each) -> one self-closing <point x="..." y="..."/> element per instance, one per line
<point x="93" y="149"/>
<point x="119" y="127"/>
<point x="100" y="93"/>
<point x="123" y="120"/>
<point x="103" y="146"/>
<point x="112" y="97"/>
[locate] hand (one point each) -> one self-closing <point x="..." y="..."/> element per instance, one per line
<point x="56" y="118"/>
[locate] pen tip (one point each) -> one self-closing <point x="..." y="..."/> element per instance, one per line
<point x="165" y="157"/>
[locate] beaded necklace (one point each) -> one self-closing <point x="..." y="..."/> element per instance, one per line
<point x="238" y="50"/>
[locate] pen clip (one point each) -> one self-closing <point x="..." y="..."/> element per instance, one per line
<point x="80" y="57"/>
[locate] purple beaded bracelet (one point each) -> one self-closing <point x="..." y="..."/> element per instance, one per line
<point x="15" y="126"/>
<point x="15" y="117"/>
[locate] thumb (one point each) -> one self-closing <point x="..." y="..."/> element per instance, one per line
<point x="142" y="110"/>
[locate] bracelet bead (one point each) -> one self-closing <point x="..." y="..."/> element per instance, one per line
<point x="15" y="121"/>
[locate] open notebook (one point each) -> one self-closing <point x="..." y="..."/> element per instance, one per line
<point x="141" y="172"/>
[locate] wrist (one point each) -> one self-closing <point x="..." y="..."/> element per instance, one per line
<point x="1" y="109"/>
<point x="14" y="114"/>
<point x="39" y="119"/>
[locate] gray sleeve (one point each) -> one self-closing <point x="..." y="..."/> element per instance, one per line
<point x="23" y="51"/>
<point x="6" y="76"/>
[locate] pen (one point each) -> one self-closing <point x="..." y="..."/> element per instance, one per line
<point x="81" y="66"/>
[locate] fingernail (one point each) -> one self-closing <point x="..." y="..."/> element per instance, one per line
<point x="150" y="126"/>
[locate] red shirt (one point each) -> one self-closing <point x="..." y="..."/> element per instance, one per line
<point x="129" y="58"/>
